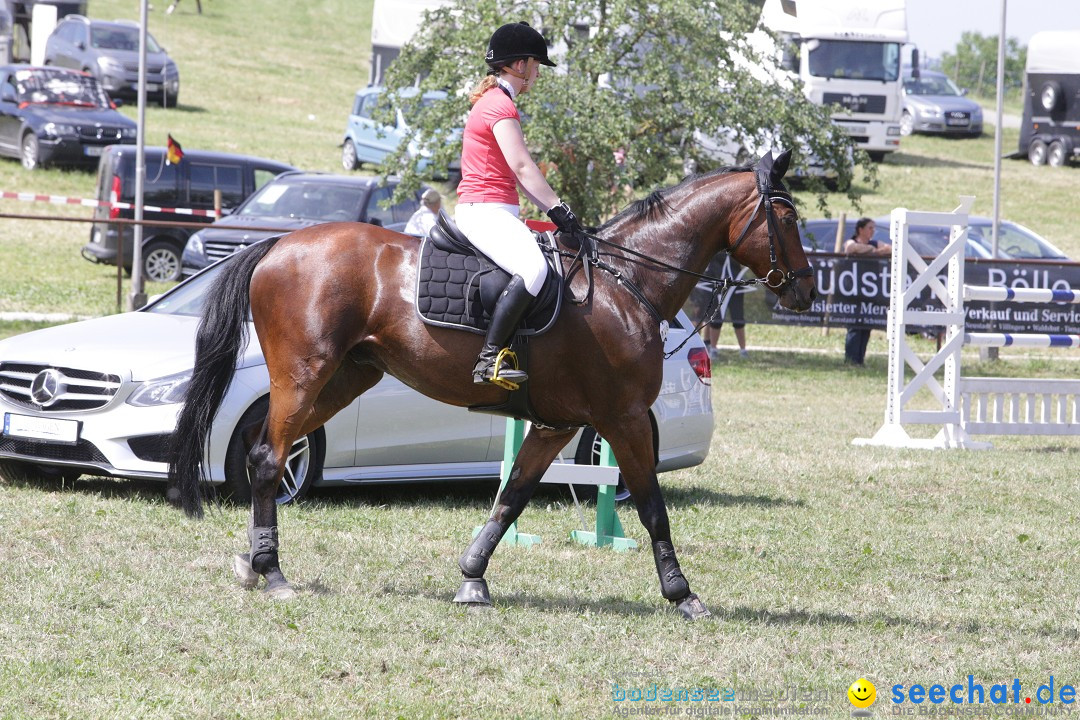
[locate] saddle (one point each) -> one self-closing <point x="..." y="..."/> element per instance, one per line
<point x="458" y="286"/>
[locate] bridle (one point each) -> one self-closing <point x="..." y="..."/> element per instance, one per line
<point x="776" y="279"/>
<point x="767" y="196"/>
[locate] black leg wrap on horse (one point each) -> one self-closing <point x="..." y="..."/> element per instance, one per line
<point x="475" y="560"/>
<point x="673" y="585"/>
<point x="264" y="549"/>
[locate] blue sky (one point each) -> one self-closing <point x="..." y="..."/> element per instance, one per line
<point x="935" y="25"/>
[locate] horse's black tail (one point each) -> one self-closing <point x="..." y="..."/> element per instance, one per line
<point x="221" y="337"/>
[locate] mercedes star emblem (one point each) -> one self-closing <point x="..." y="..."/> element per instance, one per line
<point x="47" y="387"/>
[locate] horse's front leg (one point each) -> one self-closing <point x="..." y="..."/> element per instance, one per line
<point x="630" y="437"/>
<point x="537" y="452"/>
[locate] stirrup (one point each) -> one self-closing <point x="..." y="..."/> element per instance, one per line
<point x="496" y="378"/>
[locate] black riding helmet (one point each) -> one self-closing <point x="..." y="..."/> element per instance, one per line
<point x="514" y="41"/>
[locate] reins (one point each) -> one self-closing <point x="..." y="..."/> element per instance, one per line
<point x="720" y="286"/>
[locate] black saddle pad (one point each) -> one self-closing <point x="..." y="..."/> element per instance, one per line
<point x="459" y="290"/>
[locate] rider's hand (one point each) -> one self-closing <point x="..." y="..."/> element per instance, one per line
<point x="565" y="219"/>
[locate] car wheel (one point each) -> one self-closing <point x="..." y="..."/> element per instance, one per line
<point x="169" y="101"/>
<point x="1037" y="152"/>
<point x="303" y="470"/>
<point x="907" y="124"/>
<point x="349" y="160"/>
<point x="588" y="453"/>
<point x="161" y="261"/>
<point x="31" y="151"/>
<point x="1055" y="154"/>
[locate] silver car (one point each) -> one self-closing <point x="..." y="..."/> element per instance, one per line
<point x="101" y="397"/>
<point x="933" y="104"/>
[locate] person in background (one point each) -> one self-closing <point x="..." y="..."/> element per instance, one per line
<point x="861" y="243"/>
<point x="424" y="218"/>
<point x="734" y="311"/>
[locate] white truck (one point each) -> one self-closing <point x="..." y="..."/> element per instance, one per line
<point x="847" y="53"/>
<point x="393" y="23"/>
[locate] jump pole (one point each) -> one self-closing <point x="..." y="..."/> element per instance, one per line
<point x="609" y="530"/>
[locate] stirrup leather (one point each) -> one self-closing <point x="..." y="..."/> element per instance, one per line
<point x="511" y="356"/>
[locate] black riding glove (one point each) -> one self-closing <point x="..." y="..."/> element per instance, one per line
<point x="565" y="219"/>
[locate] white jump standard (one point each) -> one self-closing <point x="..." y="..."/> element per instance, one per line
<point x="968" y="405"/>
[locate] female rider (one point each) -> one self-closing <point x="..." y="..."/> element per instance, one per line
<point x="494" y="163"/>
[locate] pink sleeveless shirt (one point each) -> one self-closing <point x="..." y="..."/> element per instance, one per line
<point x="485" y="175"/>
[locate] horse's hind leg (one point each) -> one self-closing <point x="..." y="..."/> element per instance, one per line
<point x="533" y="459"/>
<point x="294" y="412"/>
<point x="630" y="437"/>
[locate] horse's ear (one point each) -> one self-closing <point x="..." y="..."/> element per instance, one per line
<point x="766" y="162"/>
<point x="780" y="165"/>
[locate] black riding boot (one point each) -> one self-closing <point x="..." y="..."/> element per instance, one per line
<point x="509" y="308"/>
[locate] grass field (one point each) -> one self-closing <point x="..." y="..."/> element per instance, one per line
<point x="821" y="562"/>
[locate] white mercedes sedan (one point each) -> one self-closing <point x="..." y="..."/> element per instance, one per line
<point x="100" y="397"/>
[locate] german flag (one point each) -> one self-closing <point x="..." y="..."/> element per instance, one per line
<point x="175" y="153"/>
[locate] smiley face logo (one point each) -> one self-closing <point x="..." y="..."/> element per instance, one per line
<point x="862" y="693"/>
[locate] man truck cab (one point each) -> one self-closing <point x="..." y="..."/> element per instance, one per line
<point x="847" y="53"/>
<point x="1050" y="130"/>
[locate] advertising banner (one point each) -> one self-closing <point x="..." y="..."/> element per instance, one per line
<point x="854" y="291"/>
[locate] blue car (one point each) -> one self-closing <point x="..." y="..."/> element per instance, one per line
<point x="53" y="116"/>
<point x="367" y="140"/>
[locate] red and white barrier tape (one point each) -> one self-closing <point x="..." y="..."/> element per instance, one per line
<point x="86" y="202"/>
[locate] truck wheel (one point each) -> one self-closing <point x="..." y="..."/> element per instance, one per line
<point x="1037" y="152"/>
<point x="1055" y="154"/>
<point x="876" y="155"/>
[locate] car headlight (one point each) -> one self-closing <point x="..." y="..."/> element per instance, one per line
<point x="194" y="245"/>
<point x="129" y="132"/>
<point x="162" y="391"/>
<point x="933" y="112"/>
<point x="59" y="129"/>
<point x="976" y="114"/>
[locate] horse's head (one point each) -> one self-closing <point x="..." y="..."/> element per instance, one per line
<point x="764" y="235"/>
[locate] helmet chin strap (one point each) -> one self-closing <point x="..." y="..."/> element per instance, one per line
<point x="524" y="77"/>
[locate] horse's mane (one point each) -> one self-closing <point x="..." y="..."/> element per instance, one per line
<point x="655" y="203"/>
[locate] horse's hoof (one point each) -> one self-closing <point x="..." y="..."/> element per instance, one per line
<point x="473" y="592"/>
<point x="242" y="569"/>
<point x="281" y="591"/>
<point x="692" y="608"/>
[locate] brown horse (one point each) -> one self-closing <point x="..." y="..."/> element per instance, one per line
<point x="333" y="306"/>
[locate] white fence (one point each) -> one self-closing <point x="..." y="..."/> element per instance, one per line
<point x="964" y="406"/>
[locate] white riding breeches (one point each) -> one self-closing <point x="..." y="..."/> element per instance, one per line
<point x="495" y="229"/>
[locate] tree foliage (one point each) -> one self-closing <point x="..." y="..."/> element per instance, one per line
<point x="974" y="64"/>
<point x="636" y="75"/>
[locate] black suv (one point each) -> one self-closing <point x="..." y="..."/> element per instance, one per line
<point x="298" y="200"/>
<point x="188" y="185"/>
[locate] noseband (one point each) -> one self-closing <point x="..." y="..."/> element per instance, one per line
<point x="776" y="278"/>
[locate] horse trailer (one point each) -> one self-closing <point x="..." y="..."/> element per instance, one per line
<point x="1050" y="131"/>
